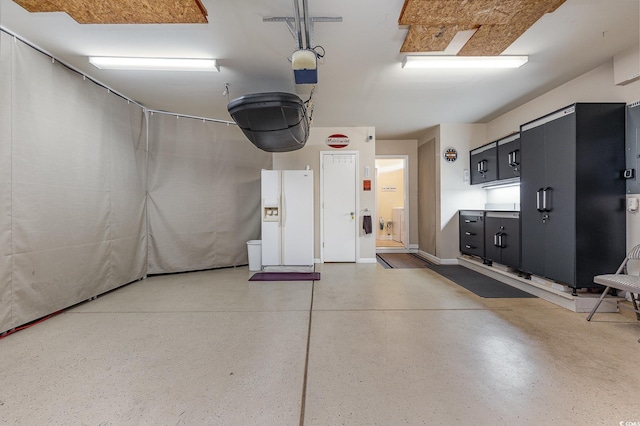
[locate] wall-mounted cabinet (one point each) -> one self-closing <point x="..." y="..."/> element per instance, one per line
<point x="509" y="157"/>
<point x="484" y="163"/>
<point x="498" y="160"/>
<point x="572" y="193"/>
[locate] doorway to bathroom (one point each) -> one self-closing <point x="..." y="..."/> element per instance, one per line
<point x="392" y="208"/>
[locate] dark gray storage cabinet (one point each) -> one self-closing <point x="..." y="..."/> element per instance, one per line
<point x="502" y="238"/>
<point x="572" y="193"/>
<point x="472" y="232"/>
<point x="509" y="157"/>
<point x="484" y="163"/>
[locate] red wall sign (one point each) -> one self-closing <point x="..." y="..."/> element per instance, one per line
<point x="338" y="140"/>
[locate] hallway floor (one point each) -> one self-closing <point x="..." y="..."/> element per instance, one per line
<point x="363" y="346"/>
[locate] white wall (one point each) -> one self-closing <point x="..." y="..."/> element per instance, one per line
<point x="452" y="192"/>
<point x="455" y="194"/>
<point x="310" y="155"/>
<point x="594" y="86"/>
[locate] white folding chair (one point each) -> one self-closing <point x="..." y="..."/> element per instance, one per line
<point x="621" y="281"/>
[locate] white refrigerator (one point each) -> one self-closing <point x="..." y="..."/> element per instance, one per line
<point x="287" y="218"/>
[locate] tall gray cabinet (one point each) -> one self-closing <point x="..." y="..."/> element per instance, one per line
<point x="572" y="193"/>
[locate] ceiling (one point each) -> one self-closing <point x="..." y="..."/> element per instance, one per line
<point x="360" y="79"/>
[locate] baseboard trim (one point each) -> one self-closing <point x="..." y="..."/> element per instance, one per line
<point x="540" y="287"/>
<point x="437" y="260"/>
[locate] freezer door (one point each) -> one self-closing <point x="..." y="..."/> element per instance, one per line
<point x="270" y="186"/>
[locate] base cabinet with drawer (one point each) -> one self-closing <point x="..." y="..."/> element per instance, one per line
<point x="472" y="232"/>
<point x="502" y="238"/>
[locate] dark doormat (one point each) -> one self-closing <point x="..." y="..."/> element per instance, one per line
<point x="401" y="260"/>
<point x="473" y="281"/>
<point x="285" y="276"/>
<point x="478" y="283"/>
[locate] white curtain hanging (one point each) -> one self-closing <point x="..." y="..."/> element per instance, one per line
<point x="5" y="182"/>
<point x="77" y="214"/>
<point x="77" y="189"/>
<point x="204" y="194"/>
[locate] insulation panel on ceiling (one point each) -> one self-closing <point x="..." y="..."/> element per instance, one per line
<point x="498" y="22"/>
<point x="123" y="11"/>
<point x="423" y="38"/>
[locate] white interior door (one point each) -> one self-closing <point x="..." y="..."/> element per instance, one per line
<point x="339" y="209"/>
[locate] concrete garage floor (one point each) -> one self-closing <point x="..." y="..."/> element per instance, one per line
<point x="363" y="346"/>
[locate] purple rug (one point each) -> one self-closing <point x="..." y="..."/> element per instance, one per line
<point x="285" y="276"/>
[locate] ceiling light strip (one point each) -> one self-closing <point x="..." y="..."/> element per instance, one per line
<point x="462" y="62"/>
<point x="154" y="64"/>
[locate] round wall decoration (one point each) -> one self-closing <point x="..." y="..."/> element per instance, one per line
<point x="451" y="155"/>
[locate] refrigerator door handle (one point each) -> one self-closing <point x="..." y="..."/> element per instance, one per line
<point x="283" y="209"/>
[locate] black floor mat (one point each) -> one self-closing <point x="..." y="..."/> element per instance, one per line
<point x="473" y="281"/>
<point x="478" y="283"/>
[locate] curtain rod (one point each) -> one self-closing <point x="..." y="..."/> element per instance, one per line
<point x="84" y="75"/>
<point x="214" y="120"/>
<point x="69" y="67"/>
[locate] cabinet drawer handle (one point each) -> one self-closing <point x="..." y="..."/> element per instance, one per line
<point x="469" y="247"/>
<point x="469" y="233"/>
<point x="546" y="199"/>
<point x="482" y="167"/>
<point x="514" y="161"/>
<point x="539" y="201"/>
<point x="470" y="221"/>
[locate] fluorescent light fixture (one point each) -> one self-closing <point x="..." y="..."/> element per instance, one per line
<point x="154" y="64"/>
<point x="442" y="61"/>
